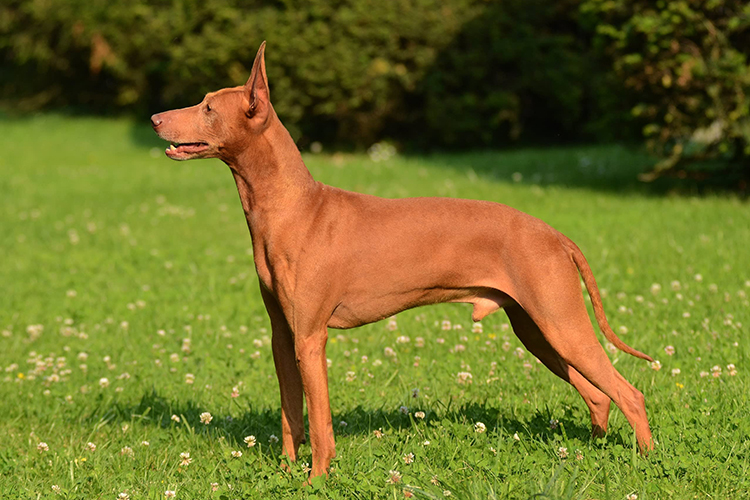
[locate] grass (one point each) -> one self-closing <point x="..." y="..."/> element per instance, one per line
<point x="113" y="256"/>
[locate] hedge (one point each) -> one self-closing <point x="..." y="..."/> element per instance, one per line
<point x="686" y="64"/>
<point x="445" y="72"/>
<point x="432" y="73"/>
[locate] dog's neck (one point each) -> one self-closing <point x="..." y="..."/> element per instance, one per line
<point x="271" y="177"/>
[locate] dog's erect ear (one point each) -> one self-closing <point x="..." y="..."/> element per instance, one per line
<point x="256" y="88"/>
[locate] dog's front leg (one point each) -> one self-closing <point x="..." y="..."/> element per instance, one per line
<point x="290" y="383"/>
<point x="310" y="348"/>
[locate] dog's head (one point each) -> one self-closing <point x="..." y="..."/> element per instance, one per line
<point x="223" y="123"/>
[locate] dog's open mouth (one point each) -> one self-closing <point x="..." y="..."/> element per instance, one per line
<point x="183" y="150"/>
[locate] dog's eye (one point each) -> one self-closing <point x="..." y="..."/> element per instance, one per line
<point x="208" y="107"/>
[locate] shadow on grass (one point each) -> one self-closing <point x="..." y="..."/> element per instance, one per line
<point x="607" y="168"/>
<point x="236" y="423"/>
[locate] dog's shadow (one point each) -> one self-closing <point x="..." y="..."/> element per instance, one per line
<point x="235" y="423"/>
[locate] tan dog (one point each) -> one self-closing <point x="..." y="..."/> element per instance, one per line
<point x="328" y="258"/>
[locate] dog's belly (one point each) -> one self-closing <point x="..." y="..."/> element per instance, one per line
<point x="353" y="312"/>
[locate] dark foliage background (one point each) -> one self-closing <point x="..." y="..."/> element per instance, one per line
<point x="427" y="73"/>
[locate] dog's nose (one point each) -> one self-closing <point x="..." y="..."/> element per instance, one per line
<point x="156" y="120"/>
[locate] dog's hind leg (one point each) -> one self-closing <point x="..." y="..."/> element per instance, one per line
<point x="530" y="335"/>
<point x="559" y="311"/>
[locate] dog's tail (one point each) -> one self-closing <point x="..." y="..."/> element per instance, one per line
<point x="596" y="300"/>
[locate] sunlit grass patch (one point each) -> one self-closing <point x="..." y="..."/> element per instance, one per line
<point x="136" y="352"/>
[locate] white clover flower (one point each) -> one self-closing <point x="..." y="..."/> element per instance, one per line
<point x="236" y="454"/>
<point x="419" y="414"/>
<point x="104" y="382"/>
<point x="185" y="459"/>
<point x="273" y="439"/>
<point x="206" y="418"/>
<point x="42" y="446"/>
<point x="394" y="476"/>
<point x="169" y="494"/>
<point x="408" y="458"/>
<point x="480" y="428"/>
<point x="464" y="377"/>
<point x="562" y="452"/>
<point x="250" y="441"/>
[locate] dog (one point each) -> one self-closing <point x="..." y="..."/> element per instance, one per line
<point x="329" y="258"/>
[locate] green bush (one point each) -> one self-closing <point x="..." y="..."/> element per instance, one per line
<point x="686" y="61"/>
<point x="337" y="69"/>
<point x="442" y="72"/>
<point x="436" y="73"/>
<point x="515" y="70"/>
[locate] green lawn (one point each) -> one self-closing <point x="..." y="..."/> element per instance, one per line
<point x="130" y="307"/>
